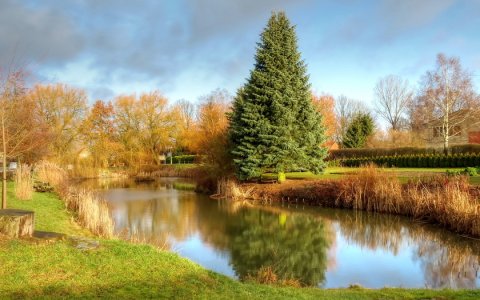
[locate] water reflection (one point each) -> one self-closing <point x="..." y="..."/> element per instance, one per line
<point x="320" y="247"/>
<point x="294" y="246"/>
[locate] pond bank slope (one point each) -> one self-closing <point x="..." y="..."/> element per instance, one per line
<point x="118" y="269"/>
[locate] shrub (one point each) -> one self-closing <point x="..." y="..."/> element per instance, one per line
<point x="183" y="159"/>
<point x="471" y="171"/>
<point x="453" y="173"/>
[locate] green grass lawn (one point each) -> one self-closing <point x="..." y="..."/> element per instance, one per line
<point x="119" y="269"/>
<point x="50" y="212"/>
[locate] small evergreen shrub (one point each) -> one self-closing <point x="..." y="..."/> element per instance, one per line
<point x="470" y="171"/>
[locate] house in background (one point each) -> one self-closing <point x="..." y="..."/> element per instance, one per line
<point x="464" y="128"/>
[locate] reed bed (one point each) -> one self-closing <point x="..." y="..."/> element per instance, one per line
<point x="447" y="201"/>
<point x="23" y="182"/>
<point x="371" y="190"/>
<point x="443" y="200"/>
<point x="91" y="212"/>
<point x="51" y="173"/>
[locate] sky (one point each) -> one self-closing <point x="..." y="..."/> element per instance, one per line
<point x="188" y="48"/>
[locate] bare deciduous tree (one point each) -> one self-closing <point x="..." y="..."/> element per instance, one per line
<point x="449" y="93"/>
<point x="392" y="98"/>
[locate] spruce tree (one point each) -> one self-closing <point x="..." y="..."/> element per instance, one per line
<point x="358" y="131"/>
<point x="274" y="125"/>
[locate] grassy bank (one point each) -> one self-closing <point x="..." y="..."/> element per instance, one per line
<point x="118" y="269"/>
<point x="448" y="201"/>
<point x="404" y="174"/>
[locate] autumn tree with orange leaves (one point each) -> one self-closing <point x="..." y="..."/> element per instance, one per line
<point x="211" y="139"/>
<point x="187" y="126"/>
<point x="325" y="105"/>
<point x="99" y="134"/>
<point x="62" y="109"/>
<point x="147" y="127"/>
<point x="22" y="133"/>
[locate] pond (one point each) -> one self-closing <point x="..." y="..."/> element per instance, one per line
<point x="320" y="247"/>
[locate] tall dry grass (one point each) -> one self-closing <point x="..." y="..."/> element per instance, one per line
<point x="443" y="200"/>
<point x="91" y="212"/>
<point x="371" y="190"/>
<point x="231" y="190"/>
<point x="51" y="173"/>
<point x="23" y="182"/>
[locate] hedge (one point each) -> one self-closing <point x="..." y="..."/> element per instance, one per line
<point x="375" y="152"/>
<point x="418" y="161"/>
<point x="183" y="159"/>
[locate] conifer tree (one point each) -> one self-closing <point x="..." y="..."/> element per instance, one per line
<point x="274" y="125"/>
<point x="358" y="131"/>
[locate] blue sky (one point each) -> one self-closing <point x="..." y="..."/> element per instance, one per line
<point x="188" y="48"/>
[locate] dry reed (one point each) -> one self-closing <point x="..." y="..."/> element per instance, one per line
<point x="371" y="190"/>
<point x="91" y="212"/>
<point x="23" y="182"/>
<point x="443" y="200"/>
<point x="51" y="173"/>
<point x="230" y="189"/>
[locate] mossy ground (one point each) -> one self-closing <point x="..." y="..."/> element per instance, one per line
<point x="118" y="269"/>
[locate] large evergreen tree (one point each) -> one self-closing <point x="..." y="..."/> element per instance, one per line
<point x="274" y="125"/>
<point x="358" y="131"/>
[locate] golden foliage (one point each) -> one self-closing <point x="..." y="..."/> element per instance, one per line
<point x="325" y="105"/>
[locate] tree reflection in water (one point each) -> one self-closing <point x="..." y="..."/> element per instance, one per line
<point x="296" y="243"/>
<point x="447" y="260"/>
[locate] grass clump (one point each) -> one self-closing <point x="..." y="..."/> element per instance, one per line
<point x="231" y="190"/>
<point x="23" y="182"/>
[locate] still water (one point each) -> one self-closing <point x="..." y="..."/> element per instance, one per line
<point x="320" y="247"/>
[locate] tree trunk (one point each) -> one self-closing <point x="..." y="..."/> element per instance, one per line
<point x="281" y="177"/>
<point x="4" y="156"/>
<point x="445" y="145"/>
<point x="16" y="223"/>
